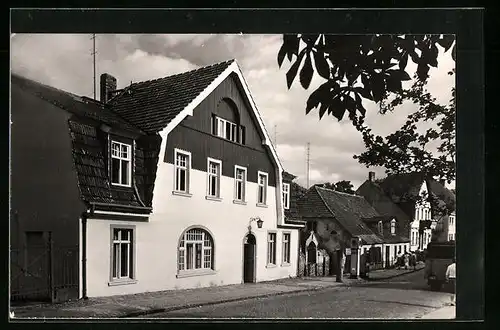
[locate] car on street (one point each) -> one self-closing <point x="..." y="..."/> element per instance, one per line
<point x="439" y="256"/>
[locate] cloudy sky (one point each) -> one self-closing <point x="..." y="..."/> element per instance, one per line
<point x="64" y="61"/>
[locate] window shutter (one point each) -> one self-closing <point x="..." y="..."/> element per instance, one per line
<point x="214" y="124"/>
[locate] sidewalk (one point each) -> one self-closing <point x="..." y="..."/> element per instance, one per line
<point x="443" y="313"/>
<point x="164" y="301"/>
<point x="384" y="274"/>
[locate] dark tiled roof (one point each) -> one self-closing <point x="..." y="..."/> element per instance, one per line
<point x="79" y="106"/>
<point x="288" y="177"/>
<point x="376" y="219"/>
<point x="296" y="193"/>
<point x="152" y="104"/>
<point x="347" y="209"/>
<point x="384" y="205"/>
<point x="371" y="239"/>
<point x="89" y="155"/>
<point x="402" y="187"/>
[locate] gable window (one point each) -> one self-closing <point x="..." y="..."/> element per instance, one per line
<point x="393" y="227"/>
<point x="214" y="173"/>
<point x="228" y="130"/>
<point x="452" y="219"/>
<point x="182" y="167"/>
<point x="121" y="163"/>
<point x="286" y="248"/>
<point x="380" y="227"/>
<point x="196" y="250"/>
<point x="262" y="189"/>
<point x="271" y="248"/>
<point x="240" y="180"/>
<point x="286" y="195"/>
<point x="122" y="261"/>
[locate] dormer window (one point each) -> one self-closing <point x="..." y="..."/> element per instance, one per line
<point x="121" y="164"/>
<point x="228" y="130"/>
<point x="393" y="227"/>
<point x="380" y="227"/>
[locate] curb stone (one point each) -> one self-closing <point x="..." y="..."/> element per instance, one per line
<point x="393" y="276"/>
<point x="193" y="305"/>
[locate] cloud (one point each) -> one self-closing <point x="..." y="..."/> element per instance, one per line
<point x="65" y="61"/>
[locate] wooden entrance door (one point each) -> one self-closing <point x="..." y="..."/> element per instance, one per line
<point x="249" y="259"/>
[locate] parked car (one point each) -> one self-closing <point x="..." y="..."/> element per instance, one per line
<point x="438" y="257"/>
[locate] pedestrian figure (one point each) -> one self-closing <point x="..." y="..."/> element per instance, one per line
<point x="413" y="261"/>
<point x="450" y="279"/>
<point x="406" y="260"/>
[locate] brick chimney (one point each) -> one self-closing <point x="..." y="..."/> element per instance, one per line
<point x="108" y="85"/>
<point x="371" y="176"/>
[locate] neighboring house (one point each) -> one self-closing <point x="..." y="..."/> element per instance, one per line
<point x="398" y="196"/>
<point x="166" y="184"/>
<point x="342" y="223"/>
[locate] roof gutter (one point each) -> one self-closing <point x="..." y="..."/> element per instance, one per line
<point x="138" y="208"/>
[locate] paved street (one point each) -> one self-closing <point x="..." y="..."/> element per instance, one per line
<point x="402" y="297"/>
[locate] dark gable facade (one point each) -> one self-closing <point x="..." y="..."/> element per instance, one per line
<point x="199" y="135"/>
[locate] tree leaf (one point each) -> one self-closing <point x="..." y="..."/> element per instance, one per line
<point x="399" y="74"/>
<point x="394" y="84"/>
<point x="403" y="61"/>
<point x="423" y="71"/>
<point x="307" y="72"/>
<point x="281" y="55"/>
<point x="322" y="66"/>
<point x="377" y="87"/>
<point x="447" y="41"/>
<point x="292" y="72"/>
<point x="359" y="105"/>
<point x="337" y="108"/>
<point x="322" y="110"/>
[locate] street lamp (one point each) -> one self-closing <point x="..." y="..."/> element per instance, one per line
<point x="256" y="219"/>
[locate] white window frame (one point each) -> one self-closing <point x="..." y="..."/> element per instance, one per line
<point x="218" y="176"/>
<point x="271" y="248"/>
<point x="121" y="159"/>
<point x="393" y="227"/>
<point x="452" y="220"/>
<point x="207" y="252"/>
<point x="380" y="227"/>
<point x="243" y="184"/>
<point x="115" y="263"/>
<point x="264" y="190"/>
<point x="186" y="167"/>
<point x="286" y="248"/>
<point x="222" y="131"/>
<point x="286" y="196"/>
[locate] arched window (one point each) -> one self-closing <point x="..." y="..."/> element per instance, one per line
<point x="393" y="227"/>
<point x="196" y="250"/>
<point x="380" y="227"/>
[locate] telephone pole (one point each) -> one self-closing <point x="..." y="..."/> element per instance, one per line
<point x="307" y="163"/>
<point x="93" y="59"/>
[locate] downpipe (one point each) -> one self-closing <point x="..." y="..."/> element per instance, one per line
<point x="84" y="256"/>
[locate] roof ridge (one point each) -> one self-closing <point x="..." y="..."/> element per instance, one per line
<point x="339" y="192"/>
<point x="181" y="73"/>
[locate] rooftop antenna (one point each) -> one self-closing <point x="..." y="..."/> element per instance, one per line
<point x="307" y="162"/>
<point x="93" y="58"/>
